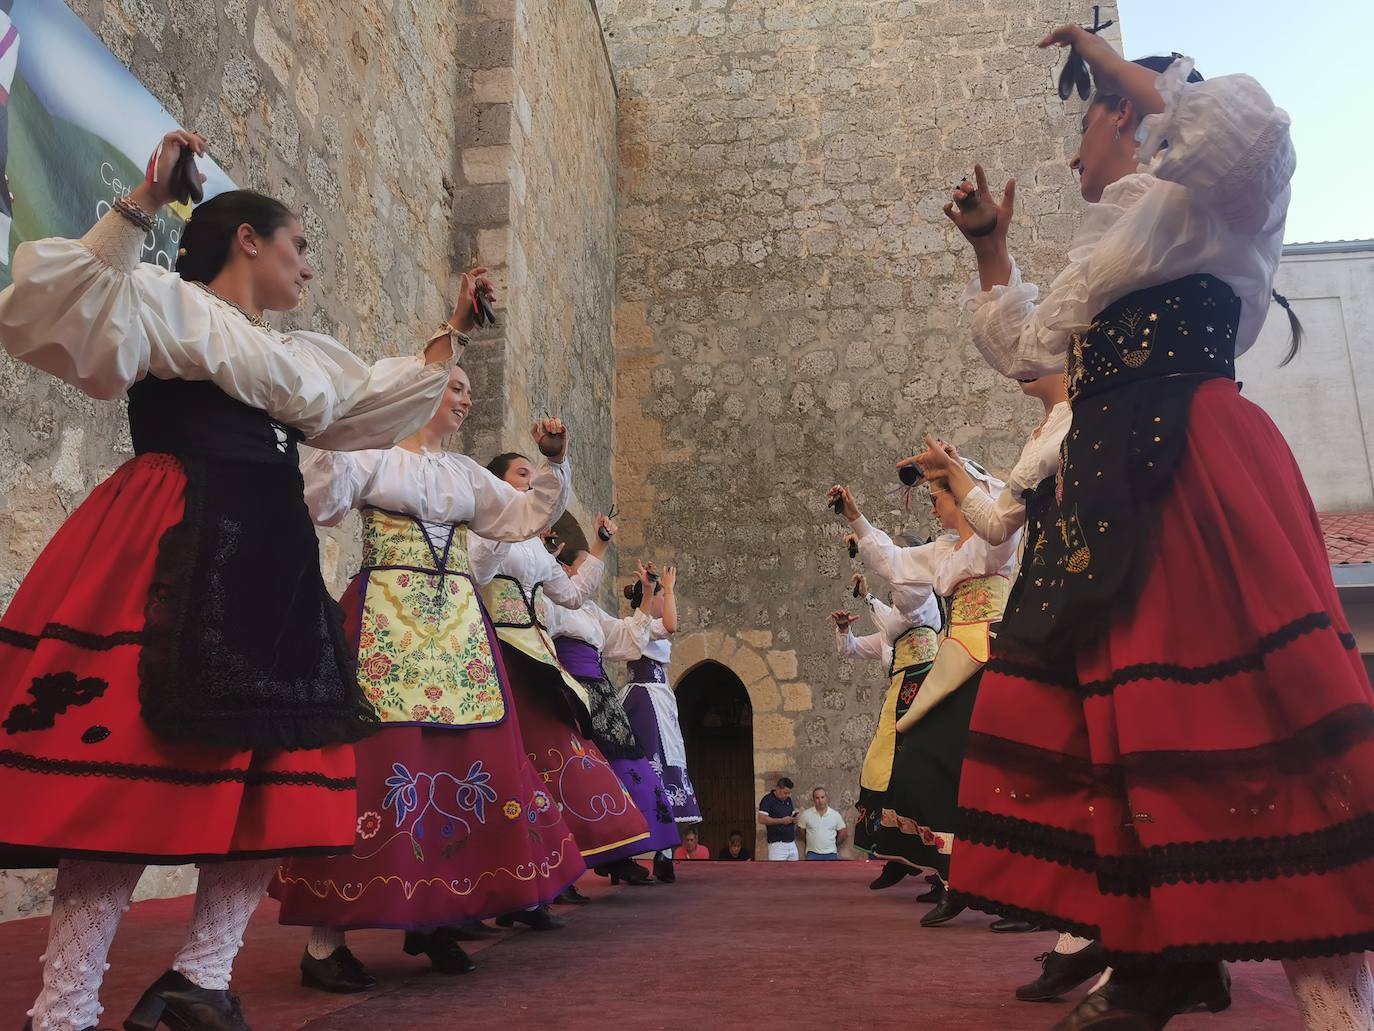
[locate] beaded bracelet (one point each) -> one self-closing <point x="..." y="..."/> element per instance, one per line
<point x="135" y="214"/>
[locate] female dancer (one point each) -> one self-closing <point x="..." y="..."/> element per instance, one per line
<point x="519" y="580"/>
<point x="1173" y="752"/>
<point x="175" y="682"/>
<point x="906" y="644"/>
<point x="453" y="822"/>
<point x="1073" y="959"/>
<point x="918" y="814"/>
<point x="583" y="637"/>
<point x="649" y="702"/>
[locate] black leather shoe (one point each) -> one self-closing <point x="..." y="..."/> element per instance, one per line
<point x="342" y="972"/>
<point x="177" y="1003"/>
<point x="1005" y="926"/>
<point x="535" y="919"/>
<point x="935" y="894"/>
<point x="626" y="870"/>
<point x="1061" y="973"/>
<point x="443" y="951"/>
<point x="1147" y="1000"/>
<point x="945" y="910"/>
<point x="893" y="873"/>
<point x="472" y="931"/>
<point x="572" y="897"/>
<point x="663" y="870"/>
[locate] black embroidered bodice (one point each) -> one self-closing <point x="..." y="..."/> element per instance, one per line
<point x="1131" y="377"/>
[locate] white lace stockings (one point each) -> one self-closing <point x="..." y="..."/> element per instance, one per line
<point x="1334" y="993"/>
<point x="225" y="900"/>
<point x="88" y="902"/>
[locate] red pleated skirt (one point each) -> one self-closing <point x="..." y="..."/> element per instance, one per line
<point x="1197" y="784"/>
<point x="80" y="772"/>
<point x="452" y="824"/>
<point x="604" y="818"/>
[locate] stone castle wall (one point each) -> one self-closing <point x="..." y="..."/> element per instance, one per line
<point x="787" y="313"/>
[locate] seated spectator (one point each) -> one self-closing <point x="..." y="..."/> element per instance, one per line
<point x="691" y="848"/>
<point x="734" y="852"/>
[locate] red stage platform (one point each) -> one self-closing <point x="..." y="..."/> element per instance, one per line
<point x="763" y="946"/>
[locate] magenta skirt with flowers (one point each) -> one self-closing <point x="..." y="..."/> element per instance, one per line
<point x="453" y="823"/>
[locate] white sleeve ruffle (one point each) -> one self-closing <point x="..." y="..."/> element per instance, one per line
<point x="1227" y="142"/>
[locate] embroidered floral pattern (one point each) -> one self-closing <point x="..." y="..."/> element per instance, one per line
<point x="418" y="798"/>
<point x="369" y="824"/>
<point x="979" y="600"/>
<point x="511" y="809"/>
<point x="423" y="652"/>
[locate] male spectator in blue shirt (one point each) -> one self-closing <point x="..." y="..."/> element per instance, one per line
<point x="779" y="818"/>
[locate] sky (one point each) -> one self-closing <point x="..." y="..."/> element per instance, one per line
<point x="1314" y="58"/>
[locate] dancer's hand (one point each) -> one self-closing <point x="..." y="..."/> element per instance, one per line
<point x="983" y="221"/>
<point x="843" y="620"/>
<point x="152" y="196"/>
<point x="1095" y="51"/>
<point x="551" y="437"/>
<point x="470" y="284"/>
<point x="669" y="579"/>
<point x="935" y="461"/>
<point x="646" y="578"/>
<point x="557" y="549"/>
<point x="847" y="508"/>
<point x="606" y="523"/>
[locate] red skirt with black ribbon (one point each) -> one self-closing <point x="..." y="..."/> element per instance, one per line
<point x="81" y="772"/>
<point x="1196" y="783"/>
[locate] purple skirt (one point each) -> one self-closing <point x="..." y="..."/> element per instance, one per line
<point x="613" y="735"/>
<point x="682" y="797"/>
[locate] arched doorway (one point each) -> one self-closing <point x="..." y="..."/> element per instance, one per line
<point x="718" y="729"/>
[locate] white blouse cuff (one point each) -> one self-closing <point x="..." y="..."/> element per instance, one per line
<point x="974" y="296"/>
<point x="116" y="241"/>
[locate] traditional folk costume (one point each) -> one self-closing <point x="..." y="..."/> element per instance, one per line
<point x="1173" y="750"/>
<point x="453" y="822"/>
<point x="176" y="683"/>
<point x="583" y="637"/>
<point x="520" y="581"/>
<point x="906" y="645"/>
<point x="918" y="813"/>
<point x="651" y="705"/>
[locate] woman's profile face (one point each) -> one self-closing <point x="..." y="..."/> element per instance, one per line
<point x="519" y="474"/>
<point x="456" y="404"/>
<point x="281" y="267"/>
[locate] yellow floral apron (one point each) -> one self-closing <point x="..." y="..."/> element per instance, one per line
<point x="974" y="606"/>
<point x="521" y="623"/>
<point x="424" y="656"/>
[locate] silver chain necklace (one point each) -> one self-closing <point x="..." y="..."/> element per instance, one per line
<point x="256" y="320"/>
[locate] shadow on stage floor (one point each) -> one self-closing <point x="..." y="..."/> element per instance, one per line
<point x="761" y="946"/>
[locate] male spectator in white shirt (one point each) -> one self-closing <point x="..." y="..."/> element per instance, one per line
<point x="824" y="827"/>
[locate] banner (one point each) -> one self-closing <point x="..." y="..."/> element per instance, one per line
<point x="76" y="132"/>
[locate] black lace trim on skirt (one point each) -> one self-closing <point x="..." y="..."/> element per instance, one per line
<point x="1202" y="952"/>
<point x="1250" y="662"/>
<point x="1038" y="840"/>
<point x="70" y="635"/>
<point x="173" y="775"/>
